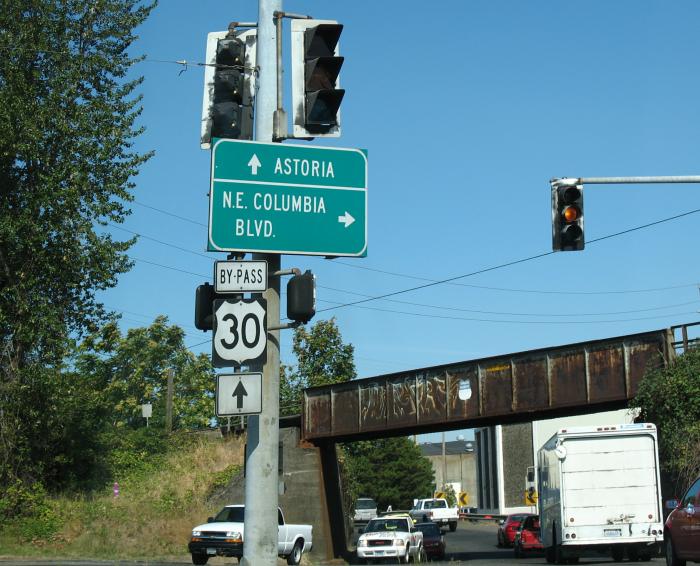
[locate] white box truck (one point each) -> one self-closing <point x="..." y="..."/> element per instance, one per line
<point x="599" y="491"/>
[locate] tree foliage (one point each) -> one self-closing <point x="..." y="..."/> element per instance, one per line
<point x="322" y="359"/>
<point x="392" y="471"/>
<point x="133" y="370"/>
<point x="670" y="398"/>
<point x="67" y="125"/>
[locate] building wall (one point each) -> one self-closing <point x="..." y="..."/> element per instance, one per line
<point x="459" y="468"/>
<point x="517" y="456"/>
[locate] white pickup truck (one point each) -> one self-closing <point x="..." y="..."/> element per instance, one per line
<point x="437" y="511"/>
<point x="390" y="536"/>
<point x="223" y="536"/>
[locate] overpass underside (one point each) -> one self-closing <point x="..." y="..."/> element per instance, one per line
<point x="524" y="386"/>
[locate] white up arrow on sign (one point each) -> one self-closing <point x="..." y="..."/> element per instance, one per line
<point x="254" y="164"/>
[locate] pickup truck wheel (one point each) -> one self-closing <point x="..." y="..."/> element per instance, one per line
<point x="199" y="558"/>
<point x="407" y="556"/>
<point x="453" y="526"/>
<point x="295" y="556"/>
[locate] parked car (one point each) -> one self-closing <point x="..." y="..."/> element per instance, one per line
<point x="224" y="535"/>
<point x="433" y="540"/>
<point x="527" y="538"/>
<point x="681" y="528"/>
<point x="365" y="509"/>
<point x="508" y="527"/>
<point x="390" y="536"/>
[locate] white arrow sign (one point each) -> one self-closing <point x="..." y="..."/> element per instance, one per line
<point x="346" y="219"/>
<point x="254" y="164"/>
<point x="238" y="394"/>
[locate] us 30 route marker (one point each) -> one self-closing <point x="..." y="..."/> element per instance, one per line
<point x="240" y="332"/>
<point x="287" y="199"/>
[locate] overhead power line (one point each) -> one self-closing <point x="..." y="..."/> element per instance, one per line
<point x="471" y="285"/>
<point x="507" y="264"/>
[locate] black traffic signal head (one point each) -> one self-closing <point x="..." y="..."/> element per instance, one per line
<point x="301" y="297"/>
<point x="227" y="111"/>
<point x="203" y="307"/>
<point x="567" y="217"/>
<point x="230" y="118"/>
<point x="316" y="65"/>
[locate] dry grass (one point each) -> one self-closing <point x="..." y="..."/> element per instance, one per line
<point x="153" y="515"/>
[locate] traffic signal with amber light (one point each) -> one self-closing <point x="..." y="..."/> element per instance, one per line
<point x="301" y="297"/>
<point x="227" y="111"/>
<point x="316" y="95"/>
<point x="567" y="217"/>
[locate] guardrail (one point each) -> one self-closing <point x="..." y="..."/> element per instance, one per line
<point x="473" y="517"/>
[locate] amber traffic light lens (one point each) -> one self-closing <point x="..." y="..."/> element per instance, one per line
<point x="571" y="213"/>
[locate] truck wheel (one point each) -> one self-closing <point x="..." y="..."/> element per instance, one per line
<point x="453" y="526"/>
<point x="618" y="553"/>
<point x="295" y="556"/>
<point x="559" y="555"/>
<point x="199" y="558"/>
<point x="407" y="556"/>
<point x="549" y="554"/>
<point x="671" y="556"/>
<point x="633" y="554"/>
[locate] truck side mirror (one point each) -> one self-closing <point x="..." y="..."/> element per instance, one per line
<point x="210" y="519"/>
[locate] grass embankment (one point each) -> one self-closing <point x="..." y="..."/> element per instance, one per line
<point x="157" y="506"/>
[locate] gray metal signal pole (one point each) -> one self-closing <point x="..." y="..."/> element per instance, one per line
<point x="261" y="482"/>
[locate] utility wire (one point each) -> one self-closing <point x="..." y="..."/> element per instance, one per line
<point x="470" y="285"/>
<point x="151" y="238"/>
<point x="445" y="317"/>
<point x="507" y="264"/>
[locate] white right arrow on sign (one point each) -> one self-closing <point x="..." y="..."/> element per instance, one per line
<point x="346" y="219"/>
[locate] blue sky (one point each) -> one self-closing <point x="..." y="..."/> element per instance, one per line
<point x="466" y="109"/>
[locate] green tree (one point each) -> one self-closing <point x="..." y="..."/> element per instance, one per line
<point x="322" y="359"/>
<point x="670" y="398"/>
<point x="67" y="126"/>
<point x="392" y="471"/>
<point x="133" y="370"/>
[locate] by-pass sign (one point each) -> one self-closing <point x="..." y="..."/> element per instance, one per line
<point x="288" y="199"/>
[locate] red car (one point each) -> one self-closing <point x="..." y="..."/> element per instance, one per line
<point x="681" y="528"/>
<point x="508" y="528"/>
<point x="527" y="539"/>
<point x="433" y="540"/>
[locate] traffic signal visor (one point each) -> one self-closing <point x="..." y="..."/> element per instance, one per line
<point x="316" y="64"/>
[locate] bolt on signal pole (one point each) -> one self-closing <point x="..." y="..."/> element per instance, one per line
<point x="261" y="482"/>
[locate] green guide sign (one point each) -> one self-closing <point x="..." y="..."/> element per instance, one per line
<point x="287" y="199"/>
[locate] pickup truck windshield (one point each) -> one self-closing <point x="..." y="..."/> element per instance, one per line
<point x="382" y="525"/>
<point x="230" y="515"/>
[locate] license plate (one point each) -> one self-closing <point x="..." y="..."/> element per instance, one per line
<point x="211" y="551"/>
<point x="612" y="532"/>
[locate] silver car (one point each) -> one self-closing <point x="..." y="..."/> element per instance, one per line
<point x="365" y="509"/>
